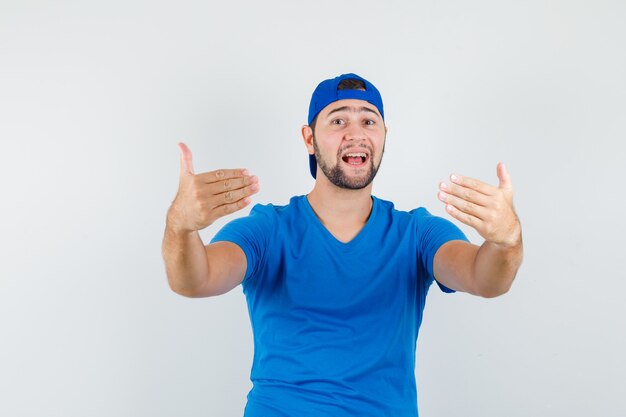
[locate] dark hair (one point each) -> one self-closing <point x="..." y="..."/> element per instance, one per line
<point x="347" y="84"/>
<point x="351" y="84"/>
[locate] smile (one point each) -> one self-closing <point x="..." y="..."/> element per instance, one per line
<point x="355" y="158"/>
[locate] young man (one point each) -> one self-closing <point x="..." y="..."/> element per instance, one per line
<point x="336" y="280"/>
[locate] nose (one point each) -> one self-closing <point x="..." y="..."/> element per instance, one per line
<point x="355" y="132"/>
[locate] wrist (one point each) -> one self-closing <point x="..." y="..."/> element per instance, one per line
<point x="510" y="250"/>
<point x="511" y="244"/>
<point x="173" y="224"/>
<point x="512" y="238"/>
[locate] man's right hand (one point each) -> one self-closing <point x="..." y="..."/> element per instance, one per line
<point x="204" y="198"/>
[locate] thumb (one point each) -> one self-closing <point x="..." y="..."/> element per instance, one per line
<point x="504" y="177"/>
<point x="186" y="165"/>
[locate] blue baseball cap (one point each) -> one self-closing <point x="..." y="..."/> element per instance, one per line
<point x="327" y="92"/>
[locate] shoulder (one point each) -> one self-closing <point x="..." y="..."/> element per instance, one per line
<point x="261" y="220"/>
<point x="255" y="231"/>
<point x="421" y="215"/>
<point x="418" y="220"/>
<point x="269" y="217"/>
<point x="428" y="223"/>
<point x="278" y="211"/>
<point x="389" y="207"/>
<point x="416" y="215"/>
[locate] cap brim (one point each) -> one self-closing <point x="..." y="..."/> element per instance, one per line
<point x="313" y="165"/>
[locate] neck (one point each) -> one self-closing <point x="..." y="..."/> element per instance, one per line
<point x="334" y="205"/>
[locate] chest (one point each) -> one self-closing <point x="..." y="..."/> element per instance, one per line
<point x="321" y="276"/>
<point x="344" y="233"/>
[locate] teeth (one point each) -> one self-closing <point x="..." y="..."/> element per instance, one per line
<point x="356" y="154"/>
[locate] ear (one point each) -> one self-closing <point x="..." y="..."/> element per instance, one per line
<point x="307" y="136"/>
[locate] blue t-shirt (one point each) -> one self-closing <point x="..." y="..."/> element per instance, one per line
<point x="335" y="324"/>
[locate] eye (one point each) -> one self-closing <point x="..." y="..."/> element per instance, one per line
<point x="370" y="122"/>
<point x="337" y="122"/>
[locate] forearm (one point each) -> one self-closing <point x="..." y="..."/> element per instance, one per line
<point x="185" y="259"/>
<point x="495" y="267"/>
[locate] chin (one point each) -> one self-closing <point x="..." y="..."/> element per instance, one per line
<point x="353" y="181"/>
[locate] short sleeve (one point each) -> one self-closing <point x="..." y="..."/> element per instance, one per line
<point x="432" y="232"/>
<point x="251" y="234"/>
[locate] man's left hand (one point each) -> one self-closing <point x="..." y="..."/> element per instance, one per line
<point x="486" y="208"/>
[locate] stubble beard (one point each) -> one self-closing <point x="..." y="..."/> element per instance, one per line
<point x="339" y="177"/>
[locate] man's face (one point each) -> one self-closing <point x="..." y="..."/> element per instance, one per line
<point x="349" y="142"/>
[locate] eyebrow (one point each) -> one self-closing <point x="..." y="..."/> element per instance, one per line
<point x="352" y="109"/>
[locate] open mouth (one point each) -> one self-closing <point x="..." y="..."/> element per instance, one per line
<point x="355" y="158"/>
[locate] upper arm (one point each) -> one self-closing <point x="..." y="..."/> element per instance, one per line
<point x="227" y="268"/>
<point x="237" y="250"/>
<point x="453" y="266"/>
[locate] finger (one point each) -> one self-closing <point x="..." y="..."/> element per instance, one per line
<point x="233" y="196"/>
<point x="225" y="209"/>
<point x="466" y="218"/>
<point x="221" y="175"/>
<point x="231" y="184"/>
<point x="504" y="177"/>
<point x="473" y="184"/>
<point x="465" y="193"/>
<point x="463" y="205"/>
<point x="186" y="164"/>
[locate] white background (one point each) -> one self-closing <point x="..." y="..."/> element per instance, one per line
<point x="94" y="97"/>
